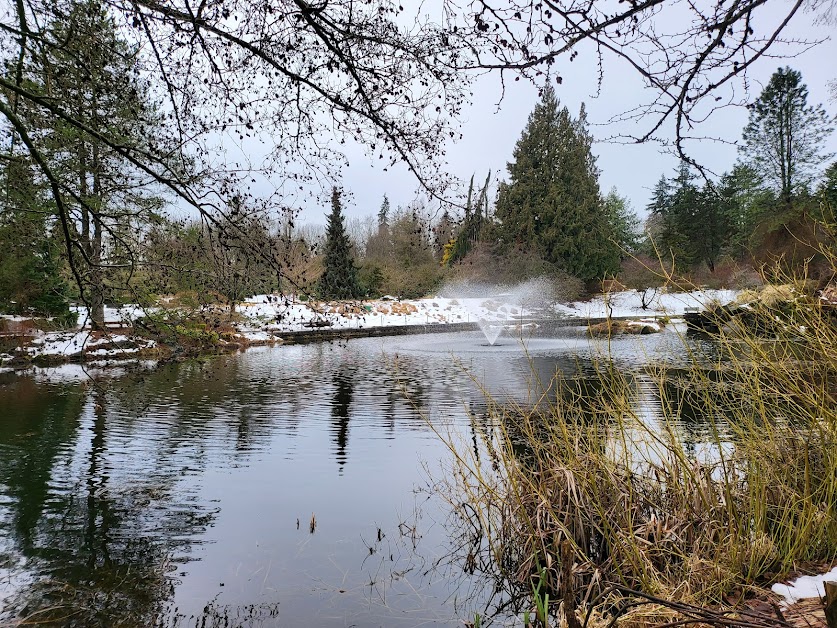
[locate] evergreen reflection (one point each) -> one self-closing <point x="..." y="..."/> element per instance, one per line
<point x="340" y="405"/>
<point x="97" y="538"/>
<point x="107" y="487"/>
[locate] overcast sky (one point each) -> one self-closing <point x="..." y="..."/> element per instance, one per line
<point x="489" y="133"/>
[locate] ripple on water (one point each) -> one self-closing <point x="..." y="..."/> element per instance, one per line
<point x="193" y="485"/>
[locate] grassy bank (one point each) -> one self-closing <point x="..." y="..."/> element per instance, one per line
<point x="588" y="508"/>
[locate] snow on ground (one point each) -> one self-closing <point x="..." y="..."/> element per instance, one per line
<point x="803" y="587"/>
<point x="266" y="317"/>
<point x="660" y="303"/>
<point x="276" y="314"/>
<point x="113" y="315"/>
<point x="74" y="343"/>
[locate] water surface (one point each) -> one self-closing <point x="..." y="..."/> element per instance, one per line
<point x="283" y="486"/>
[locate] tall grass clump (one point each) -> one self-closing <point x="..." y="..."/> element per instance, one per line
<point x="686" y="487"/>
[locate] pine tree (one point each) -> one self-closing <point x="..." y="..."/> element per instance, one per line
<point x="828" y="191"/>
<point x="744" y="201"/>
<point x="785" y="136"/>
<point x="339" y="279"/>
<point x="623" y="221"/>
<point x="552" y="204"/>
<point x="383" y="215"/>
<point x="710" y="226"/>
<point x="690" y="224"/>
<point x="30" y="264"/>
<point x="95" y="76"/>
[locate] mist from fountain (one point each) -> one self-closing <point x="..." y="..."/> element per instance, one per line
<point x="491" y="330"/>
<point x="496" y="307"/>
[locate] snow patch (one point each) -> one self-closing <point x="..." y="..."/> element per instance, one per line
<point x="803" y="587"/>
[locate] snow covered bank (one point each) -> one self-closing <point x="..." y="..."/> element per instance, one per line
<point x="264" y="319"/>
<point x="643" y="303"/>
<point x="78" y="344"/>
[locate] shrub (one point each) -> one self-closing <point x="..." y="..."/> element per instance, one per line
<point x="488" y="264"/>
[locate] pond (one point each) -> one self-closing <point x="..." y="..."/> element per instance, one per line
<point x="281" y="486"/>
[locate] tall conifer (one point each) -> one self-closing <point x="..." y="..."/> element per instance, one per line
<point x="552" y="202"/>
<point x="339" y="279"/>
<point x="786" y="137"/>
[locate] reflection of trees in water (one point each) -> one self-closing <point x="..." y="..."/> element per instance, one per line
<point x="340" y="405"/>
<point x="38" y="425"/>
<point x="202" y="397"/>
<point x="116" y="460"/>
<point x="100" y="474"/>
<point x="97" y="537"/>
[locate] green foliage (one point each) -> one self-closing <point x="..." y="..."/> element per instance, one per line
<point x="413" y="270"/>
<point x="785" y="136"/>
<point x="476" y="217"/>
<point x="624" y="222"/>
<point x="383" y="213"/>
<point x="746" y="203"/>
<point x="540" y="596"/>
<point x="691" y="225"/>
<point x="761" y="209"/>
<point x="179" y="329"/>
<point x="95" y="76"/>
<point x="339" y="279"/>
<point x="552" y="204"/>
<point x="401" y="257"/>
<point x="31" y="277"/>
<point x="828" y="188"/>
<point x="371" y="278"/>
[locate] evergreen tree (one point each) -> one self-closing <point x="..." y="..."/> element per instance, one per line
<point x="691" y="224"/>
<point x="828" y="190"/>
<point x="476" y="217"/>
<point x="30" y="264"/>
<point x="710" y="226"/>
<point x="684" y="202"/>
<point x="383" y="215"/>
<point x="668" y="229"/>
<point x="552" y="204"/>
<point x="339" y="279"/>
<point x="623" y="221"/>
<point x="785" y="136"/>
<point x="744" y="200"/>
<point x="379" y="244"/>
<point x="95" y="76"/>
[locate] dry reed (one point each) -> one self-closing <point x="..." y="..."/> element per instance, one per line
<point x="649" y="508"/>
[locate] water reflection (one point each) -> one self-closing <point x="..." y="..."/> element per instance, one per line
<point x="340" y="404"/>
<point x="172" y="496"/>
<point x="91" y="539"/>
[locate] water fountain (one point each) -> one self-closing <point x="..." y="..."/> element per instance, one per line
<point x="491" y="330"/>
<point x="499" y="308"/>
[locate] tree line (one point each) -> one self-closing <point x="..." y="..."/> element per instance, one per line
<point x="776" y="204"/>
<point x="775" y="207"/>
<point x="84" y="219"/>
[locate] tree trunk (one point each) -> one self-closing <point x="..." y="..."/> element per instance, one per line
<point x="97" y="288"/>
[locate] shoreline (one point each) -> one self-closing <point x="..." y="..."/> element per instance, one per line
<point x="171" y="333"/>
<point x="120" y="345"/>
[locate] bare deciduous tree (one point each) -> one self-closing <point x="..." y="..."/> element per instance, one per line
<point x="694" y="57"/>
<point x="307" y="76"/>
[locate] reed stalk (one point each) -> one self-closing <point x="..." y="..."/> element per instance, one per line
<point x="652" y="510"/>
